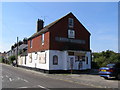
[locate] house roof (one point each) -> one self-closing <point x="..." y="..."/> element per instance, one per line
<point x="46" y="28"/>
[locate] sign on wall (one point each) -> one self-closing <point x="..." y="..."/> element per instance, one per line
<point x="62" y="39"/>
<point x="42" y="58"/>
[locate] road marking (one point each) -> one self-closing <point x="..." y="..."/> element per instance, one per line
<point x="25" y="80"/>
<point x="43" y="87"/>
<point x="7" y="76"/>
<point x="22" y="79"/>
<point x="10" y="79"/>
<point x="18" y="78"/>
<point x="22" y="87"/>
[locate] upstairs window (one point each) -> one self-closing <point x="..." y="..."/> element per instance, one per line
<point x="71" y="34"/>
<point x="70" y="22"/>
<point x="30" y="43"/>
<point x="43" y="39"/>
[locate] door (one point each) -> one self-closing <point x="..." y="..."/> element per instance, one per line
<point x="70" y="62"/>
<point x="80" y="65"/>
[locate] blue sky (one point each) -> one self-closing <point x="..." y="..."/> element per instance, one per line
<point x="100" y="18"/>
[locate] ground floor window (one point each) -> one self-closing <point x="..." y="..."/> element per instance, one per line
<point x="86" y="60"/>
<point x="55" y="60"/>
<point x="83" y="58"/>
<point x="42" y="58"/>
<point x="30" y="58"/>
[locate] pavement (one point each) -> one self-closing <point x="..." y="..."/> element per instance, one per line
<point x="90" y="79"/>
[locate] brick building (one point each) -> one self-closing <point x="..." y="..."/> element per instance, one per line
<point x="61" y="45"/>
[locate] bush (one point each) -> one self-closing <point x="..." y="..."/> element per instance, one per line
<point x="105" y="57"/>
<point x="2" y="60"/>
<point x="12" y="58"/>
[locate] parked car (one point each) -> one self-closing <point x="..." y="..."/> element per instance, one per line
<point x="111" y="70"/>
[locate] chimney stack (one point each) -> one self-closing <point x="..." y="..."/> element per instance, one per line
<point x="39" y="25"/>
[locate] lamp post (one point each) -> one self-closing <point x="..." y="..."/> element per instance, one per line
<point x="17" y="54"/>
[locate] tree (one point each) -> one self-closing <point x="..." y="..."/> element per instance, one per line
<point x="12" y="47"/>
<point x="20" y="42"/>
<point x="25" y="40"/>
<point x="105" y="57"/>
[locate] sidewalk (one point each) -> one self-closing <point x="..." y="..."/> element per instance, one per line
<point x="86" y="79"/>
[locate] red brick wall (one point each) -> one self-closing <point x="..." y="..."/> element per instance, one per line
<point x="61" y="30"/>
<point x="37" y="43"/>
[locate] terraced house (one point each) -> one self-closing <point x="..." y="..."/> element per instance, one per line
<point x="60" y="46"/>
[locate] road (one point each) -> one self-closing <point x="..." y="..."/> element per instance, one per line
<point x="15" y="77"/>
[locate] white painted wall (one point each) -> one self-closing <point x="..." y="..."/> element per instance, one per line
<point x="36" y="62"/>
<point x="63" y="61"/>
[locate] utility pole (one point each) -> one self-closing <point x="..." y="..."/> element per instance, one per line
<point x="17" y="54"/>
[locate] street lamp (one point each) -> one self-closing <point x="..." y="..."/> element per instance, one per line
<point x="17" y="54"/>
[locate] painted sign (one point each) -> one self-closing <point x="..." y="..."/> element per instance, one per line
<point x="62" y="39"/>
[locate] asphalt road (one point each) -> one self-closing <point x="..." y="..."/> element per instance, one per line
<point x="15" y="77"/>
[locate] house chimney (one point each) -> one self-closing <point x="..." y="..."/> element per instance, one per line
<point x="39" y="25"/>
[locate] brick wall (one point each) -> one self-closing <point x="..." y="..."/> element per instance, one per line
<point x="37" y="43"/>
<point x="61" y="30"/>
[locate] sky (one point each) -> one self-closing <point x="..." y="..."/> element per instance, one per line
<point x="99" y="18"/>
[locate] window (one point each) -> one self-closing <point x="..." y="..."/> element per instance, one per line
<point x="86" y="60"/>
<point x="55" y="60"/>
<point x="70" y="22"/>
<point x="42" y="39"/>
<point x="71" y="34"/>
<point x="77" y="58"/>
<point x="42" y="58"/>
<point x="30" y="58"/>
<point x="30" y="43"/>
<point x="83" y="58"/>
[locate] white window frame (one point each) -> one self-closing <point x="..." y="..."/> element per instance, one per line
<point x="43" y="39"/>
<point x="30" y="58"/>
<point x="31" y="41"/>
<point x="70" y="22"/>
<point x="71" y="34"/>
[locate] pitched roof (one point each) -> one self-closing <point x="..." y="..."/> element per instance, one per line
<point x="46" y="28"/>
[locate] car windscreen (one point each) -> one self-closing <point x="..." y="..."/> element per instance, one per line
<point x="110" y="65"/>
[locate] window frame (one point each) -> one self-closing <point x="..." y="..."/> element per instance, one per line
<point x="70" y="22"/>
<point x="43" y="38"/>
<point x="31" y="41"/>
<point x="71" y="33"/>
<point x="86" y="60"/>
<point x="55" y="57"/>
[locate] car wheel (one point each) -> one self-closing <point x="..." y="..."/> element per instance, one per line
<point x="118" y="76"/>
<point x="106" y="78"/>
